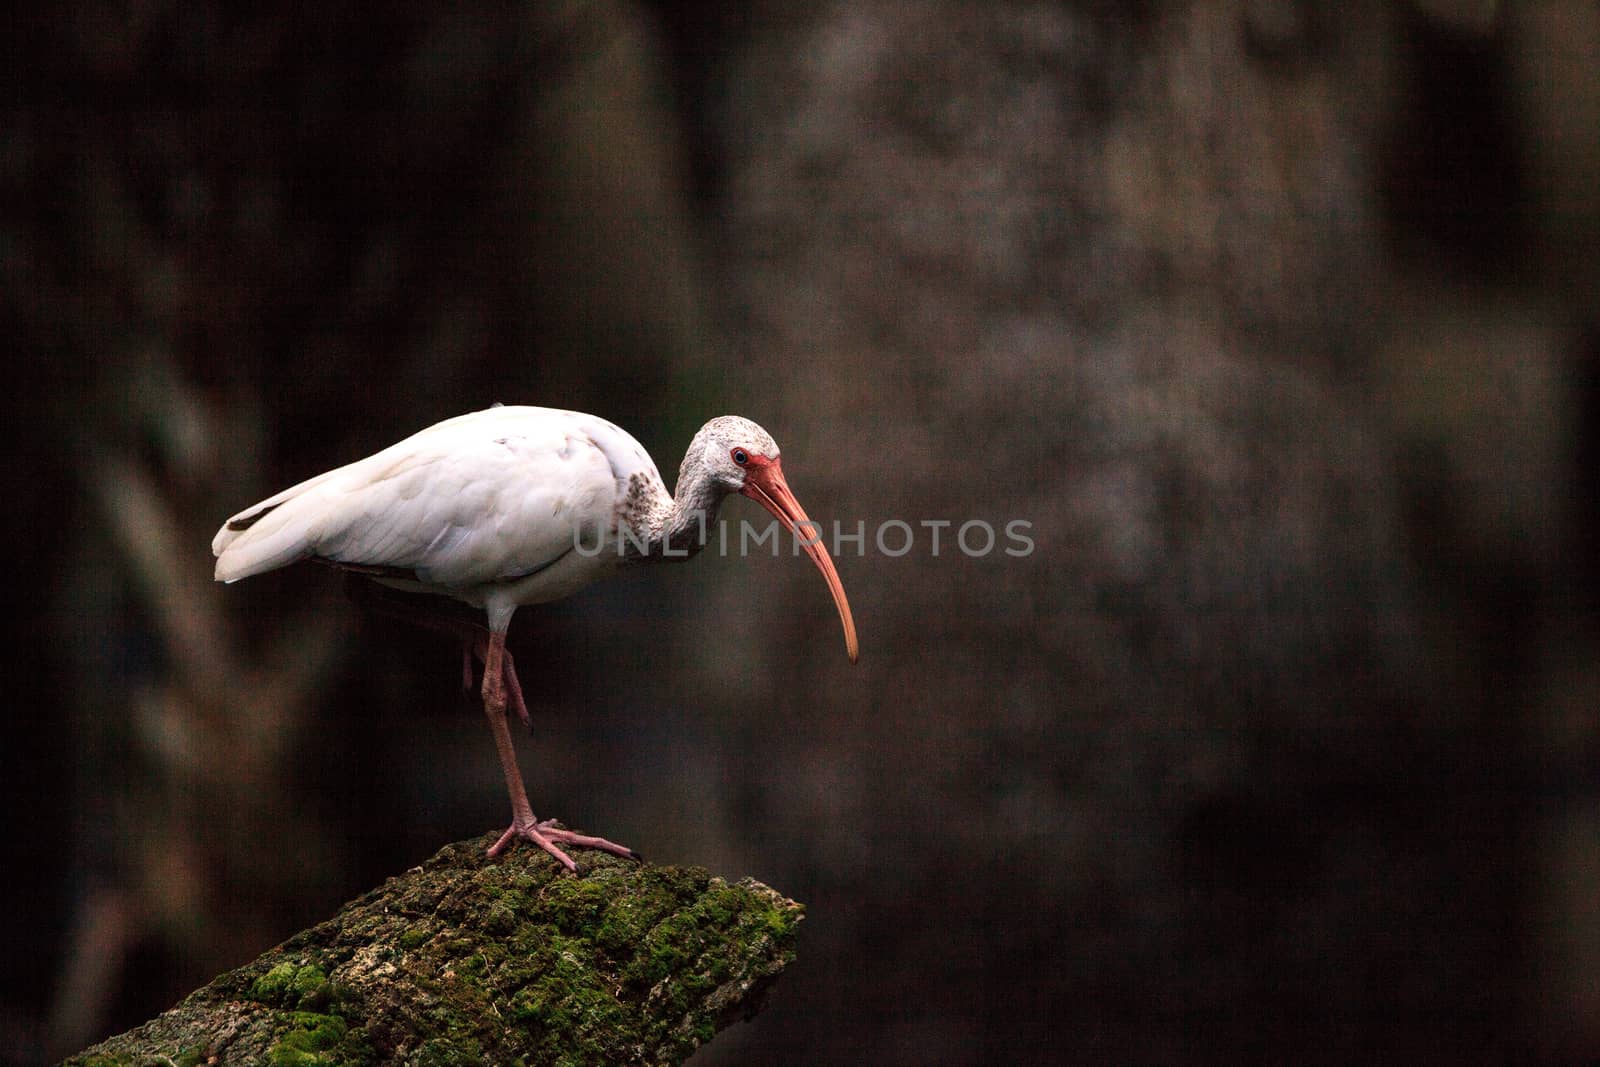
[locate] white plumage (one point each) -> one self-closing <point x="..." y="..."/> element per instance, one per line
<point x="511" y="506"/>
<point x="466" y="505"/>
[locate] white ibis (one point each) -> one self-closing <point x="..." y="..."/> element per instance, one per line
<point x="512" y="506"/>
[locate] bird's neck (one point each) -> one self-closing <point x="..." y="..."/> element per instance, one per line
<point x="676" y="527"/>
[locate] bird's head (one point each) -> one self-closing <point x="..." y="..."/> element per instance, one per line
<point x="740" y="457"/>
<point x="726" y="446"/>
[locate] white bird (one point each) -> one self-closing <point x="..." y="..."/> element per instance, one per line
<point x="512" y="506"/>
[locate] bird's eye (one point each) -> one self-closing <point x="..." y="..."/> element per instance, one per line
<point x="740" y="456"/>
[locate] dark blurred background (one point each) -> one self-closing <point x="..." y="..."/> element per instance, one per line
<point x="1276" y="320"/>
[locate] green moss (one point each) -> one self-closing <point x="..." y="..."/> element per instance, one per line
<point x="311" y="1041"/>
<point x="572" y="904"/>
<point x="311" y="989"/>
<point x="500" y="919"/>
<point x="506" y="962"/>
<point x="303" y="986"/>
<point x="414" y="938"/>
<point x="271" y="987"/>
<point x="447" y="1052"/>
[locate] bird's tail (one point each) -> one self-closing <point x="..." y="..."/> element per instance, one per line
<point x="272" y="534"/>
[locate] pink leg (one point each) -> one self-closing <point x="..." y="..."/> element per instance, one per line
<point x="544" y="834"/>
<point x="477" y="644"/>
<point x="474" y="638"/>
<point x="500" y="687"/>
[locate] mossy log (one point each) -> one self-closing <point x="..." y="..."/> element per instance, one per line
<point x="466" y="960"/>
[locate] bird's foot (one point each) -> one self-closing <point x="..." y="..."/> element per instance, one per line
<point x="550" y="835"/>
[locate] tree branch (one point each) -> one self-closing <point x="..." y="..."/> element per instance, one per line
<point x="467" y="960"/>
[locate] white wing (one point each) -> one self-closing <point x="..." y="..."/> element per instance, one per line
<point x="484" y="497"/>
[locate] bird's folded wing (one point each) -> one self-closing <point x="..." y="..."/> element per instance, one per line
<point x="483" y="511"/>
<point x="459" y="505"/>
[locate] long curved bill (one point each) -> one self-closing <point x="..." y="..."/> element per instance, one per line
<point x="764" y="483"/>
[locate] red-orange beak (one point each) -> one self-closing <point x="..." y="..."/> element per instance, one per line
<point x="763" y="482"/>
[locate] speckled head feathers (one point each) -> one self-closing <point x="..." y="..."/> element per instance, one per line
<point x="709" y="458"/>
<point x="731" y="431"/>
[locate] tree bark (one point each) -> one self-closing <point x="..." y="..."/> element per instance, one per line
<point x="465" y="960"/>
